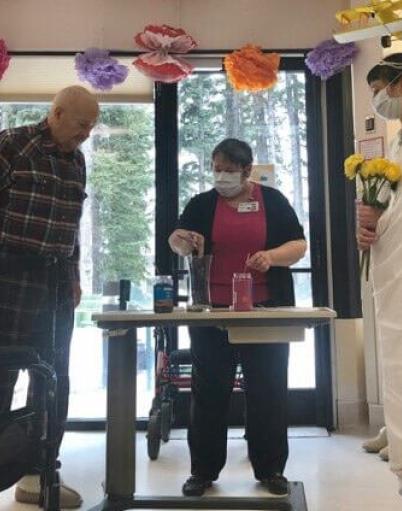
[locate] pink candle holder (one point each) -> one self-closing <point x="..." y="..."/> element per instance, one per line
<point x="242" y="292"/>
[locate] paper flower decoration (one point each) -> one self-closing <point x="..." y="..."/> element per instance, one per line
<point x="4" y="57"/>
<point x="330" y="57"/>
<point x="99" y="69"/>
<point x="249" y="69"/>
<point x="161" y="62"/>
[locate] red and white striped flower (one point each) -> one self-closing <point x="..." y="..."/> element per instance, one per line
<point x="161" y="62"/>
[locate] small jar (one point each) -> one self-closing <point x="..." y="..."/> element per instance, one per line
<point x="242" y="292"/>
<point x="163" y="293"/>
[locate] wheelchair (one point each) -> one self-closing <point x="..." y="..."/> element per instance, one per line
<point x="24" y="429"/>
<point x="172" y="376"/>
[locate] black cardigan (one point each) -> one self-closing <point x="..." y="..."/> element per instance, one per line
<point x="282" y="226"/>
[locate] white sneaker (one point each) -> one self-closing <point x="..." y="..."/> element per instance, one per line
<point x="384" y="453"/>
<point x="28" y="489"/>
<point x="377" y="443"/>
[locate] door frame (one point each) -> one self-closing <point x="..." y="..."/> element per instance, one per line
<point x="307" y="406"/>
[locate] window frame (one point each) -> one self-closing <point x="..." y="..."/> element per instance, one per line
<point x="166" y="183"/>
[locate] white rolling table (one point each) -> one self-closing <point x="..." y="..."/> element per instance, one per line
<point x="121" y="402"/>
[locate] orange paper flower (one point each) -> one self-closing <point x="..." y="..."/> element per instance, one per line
<point x="249" y="69"/>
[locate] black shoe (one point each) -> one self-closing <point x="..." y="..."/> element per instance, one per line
<point x="277" y="484"/>
<point x="195" y="486"/>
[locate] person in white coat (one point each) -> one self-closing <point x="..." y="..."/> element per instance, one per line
<point x="381" y="231"/>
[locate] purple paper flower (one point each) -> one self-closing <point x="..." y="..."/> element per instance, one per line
<point x="330" y="57"/>
<point x="99" y="69"/>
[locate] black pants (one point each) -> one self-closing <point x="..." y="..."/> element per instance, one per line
<point x="264" y="369"/>
<point x="33" y="297"/>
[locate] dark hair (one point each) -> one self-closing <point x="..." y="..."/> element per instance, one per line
<point x="234" y="150"/>
<point x="385" y="72"/>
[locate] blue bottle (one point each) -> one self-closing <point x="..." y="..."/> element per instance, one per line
<point x="163" y="293"/>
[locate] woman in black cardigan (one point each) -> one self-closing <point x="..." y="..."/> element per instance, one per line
<point x="240" y="223"/>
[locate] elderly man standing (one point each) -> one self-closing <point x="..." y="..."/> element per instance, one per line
<point x="42" y="189"/>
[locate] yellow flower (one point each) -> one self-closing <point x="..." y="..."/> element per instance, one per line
<point x="377" y="167"/>
<point x="393" y="172"/>
<point x="351" y="165"/>
<point x="366" y="170"/>
<point x="374" y="168"/>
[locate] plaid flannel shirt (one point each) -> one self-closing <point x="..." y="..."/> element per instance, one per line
<point x="41" y="194"/>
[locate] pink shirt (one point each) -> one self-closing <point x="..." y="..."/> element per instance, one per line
<point x="234" y="236"/>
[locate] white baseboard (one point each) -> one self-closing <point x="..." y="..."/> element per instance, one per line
<point x="376" y="415"/>
<point x="352" y="413"/>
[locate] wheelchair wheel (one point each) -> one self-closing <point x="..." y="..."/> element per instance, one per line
<point x="166" y="420"/>
<point x="154" y="436"/>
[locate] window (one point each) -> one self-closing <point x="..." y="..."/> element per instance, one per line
<point x="117" y="237"/>
<point x="117" y="241"/>
<point x="273" y="122"/>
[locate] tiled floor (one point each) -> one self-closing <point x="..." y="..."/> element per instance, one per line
<point x="337" y="474"/>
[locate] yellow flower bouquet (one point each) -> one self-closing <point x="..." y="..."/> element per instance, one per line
<point x="376" y="179"/>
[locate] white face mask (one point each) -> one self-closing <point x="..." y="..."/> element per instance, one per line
<point x="386" y="106"/>
<point x="228" y="184"/>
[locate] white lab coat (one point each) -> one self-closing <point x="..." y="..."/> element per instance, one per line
<point x="386" y="270"/>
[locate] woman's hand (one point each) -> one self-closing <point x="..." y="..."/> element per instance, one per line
<point x="366" y="223"/>
<point x="284" y="255"/>
<point x="260" y="261"/>
<point x="365" y="238"/>
<point x="367" y="216"/>
<point x="183" y="242"/>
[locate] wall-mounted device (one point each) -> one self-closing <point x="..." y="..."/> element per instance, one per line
<point x="369" y="123"/>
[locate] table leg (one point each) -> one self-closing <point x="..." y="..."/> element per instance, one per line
<point x="120" y="447"/>
<point x="121" y="415"/>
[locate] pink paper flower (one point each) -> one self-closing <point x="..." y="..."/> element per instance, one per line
<point x="4" y="57"/>
<point x="162" y="42"/>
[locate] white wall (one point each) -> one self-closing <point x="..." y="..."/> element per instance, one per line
<point x="370" y="54"/>
<point x="351" y="401"/>
<point x="77" y="24"/>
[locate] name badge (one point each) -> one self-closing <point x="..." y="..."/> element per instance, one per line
<point x="248" y="207"/>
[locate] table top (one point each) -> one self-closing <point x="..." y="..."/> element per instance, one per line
<point x="276" y="316"/>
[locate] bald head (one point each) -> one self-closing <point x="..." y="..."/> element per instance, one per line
<point x="74" y="97"/>
<point x="72" y="116"/>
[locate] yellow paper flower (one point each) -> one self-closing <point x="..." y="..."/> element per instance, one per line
<point x="351" y="165"/>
